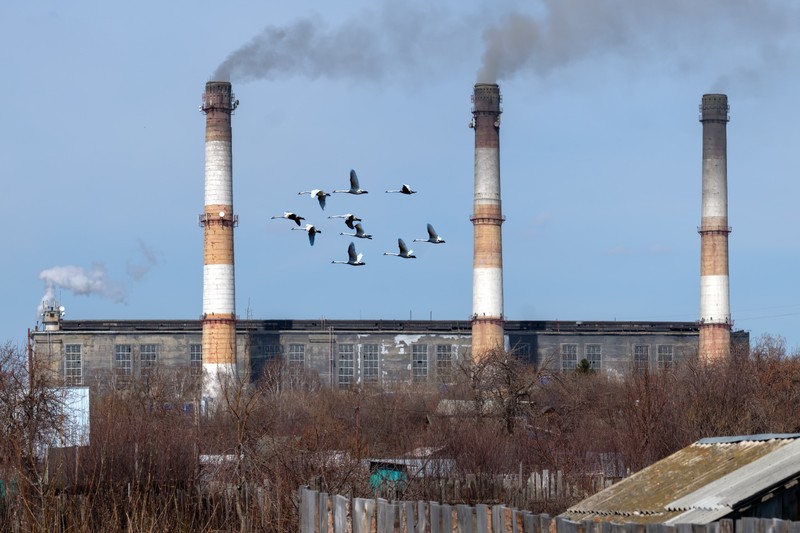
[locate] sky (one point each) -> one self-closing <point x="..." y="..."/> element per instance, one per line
<point x="102" y="147"/>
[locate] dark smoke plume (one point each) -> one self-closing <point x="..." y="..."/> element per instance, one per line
<point x="684" y="32"/>
<point x="731" y="39"/>
<point x="390" y="40"/>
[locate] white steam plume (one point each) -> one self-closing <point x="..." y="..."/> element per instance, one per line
<point x="95" y="281"/>
<point x="79" y="281"/>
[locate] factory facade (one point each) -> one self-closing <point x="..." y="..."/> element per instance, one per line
<point x="342" y="353"/>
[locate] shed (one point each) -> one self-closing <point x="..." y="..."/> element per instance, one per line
<point x="711" y="479"/>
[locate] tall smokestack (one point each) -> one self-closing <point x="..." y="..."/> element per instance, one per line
<point x="715" y="311"/>
<point x="218" y="221"/>
<point x="487" y="219"/>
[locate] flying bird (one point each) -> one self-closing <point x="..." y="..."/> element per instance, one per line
<point x="319" y="194"/>
<point x="311" y="230"/>
<point x="432" y="236"/>
<point x="354" y="187"/>
<point x="353" y="259"/>
<point x="405" y="189"/>
<point x="291" y="216"/>
<point x="348" y="219"/>
<point x="359" y="233"/>
<point x="404" y="251"/>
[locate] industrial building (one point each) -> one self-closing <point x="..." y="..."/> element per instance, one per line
<point x="355" y="353"/>
<point x="385" y="352"/>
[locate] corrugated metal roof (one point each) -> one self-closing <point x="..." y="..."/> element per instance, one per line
<point x="703" y="481"/>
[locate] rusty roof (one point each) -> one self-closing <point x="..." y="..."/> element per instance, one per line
<point x="698" y="484"/>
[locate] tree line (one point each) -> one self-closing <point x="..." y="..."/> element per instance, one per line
<point x="157" y="461"/>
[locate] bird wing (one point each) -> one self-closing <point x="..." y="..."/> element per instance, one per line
<point x="402" y="245"/>
<point x="311" y="236"/>
<point x="321" y="198"/>
<point x="353" y="180"/>
<point x="351" y="252"/>
<point x="431" y="232"/>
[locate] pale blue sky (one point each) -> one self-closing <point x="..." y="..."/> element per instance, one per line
<point x="103" y="155"/>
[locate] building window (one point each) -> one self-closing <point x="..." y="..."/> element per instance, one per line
<point x="369" y="353"/>
<point x="641" y="357"/>
<point x="444" y="361"/>
<point x="297" y="355"/>
<point x="523" y="352"/>
<point x="73" y="364"/>
<point x="594" y="354"/>
<point x="271" y="352"/>
<point x="148" y="356"/>
<point x="569" y="356"/>
<point x="419" y="362"/>
<point x="346" y="365"/>
<point x="122" y="359"/>
<point x="665" y="352"/>
<point x="196" y="358"/>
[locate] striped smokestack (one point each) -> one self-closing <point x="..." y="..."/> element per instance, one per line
<point x="487" y="219"/>
<point x="715" y="312"/>
<point x="218" y="221"/>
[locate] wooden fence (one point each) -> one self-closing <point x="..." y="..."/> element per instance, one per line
<point x="324" y="513"/>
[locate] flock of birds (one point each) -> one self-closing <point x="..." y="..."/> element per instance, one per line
<point x="354" y="223"/>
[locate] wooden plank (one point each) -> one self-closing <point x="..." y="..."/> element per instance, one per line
<point x="422" y="518"/>
<point x="308" y="503"/>
<point x="529" y="522"/>
<point x="567" y="526"/>
<point x="464" y="516"/>
<point x="362" y="523"/>
<point x="497" y="519"/>
<point x="323" y="514"/>
<point x="436" y="519"/>
<point x="482" y="518"/>
<point x="726" y="525"/>
<point x="339" y="514"/>
<point x="411" y="516"/>
<point x="385" y="516"/>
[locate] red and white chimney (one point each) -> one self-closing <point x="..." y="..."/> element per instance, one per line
<point x="487" y="219"/>
<point x="218" y="221"/>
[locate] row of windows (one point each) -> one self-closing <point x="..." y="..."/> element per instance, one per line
<point x="593" y="353"/>
<point x="370" y="367"/>
<point x="123" y="358"/>
<point x="148" y="358"/>
<point x="124" y="361"/>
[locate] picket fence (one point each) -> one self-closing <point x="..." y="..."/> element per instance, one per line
<point x="324" y="513"/>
